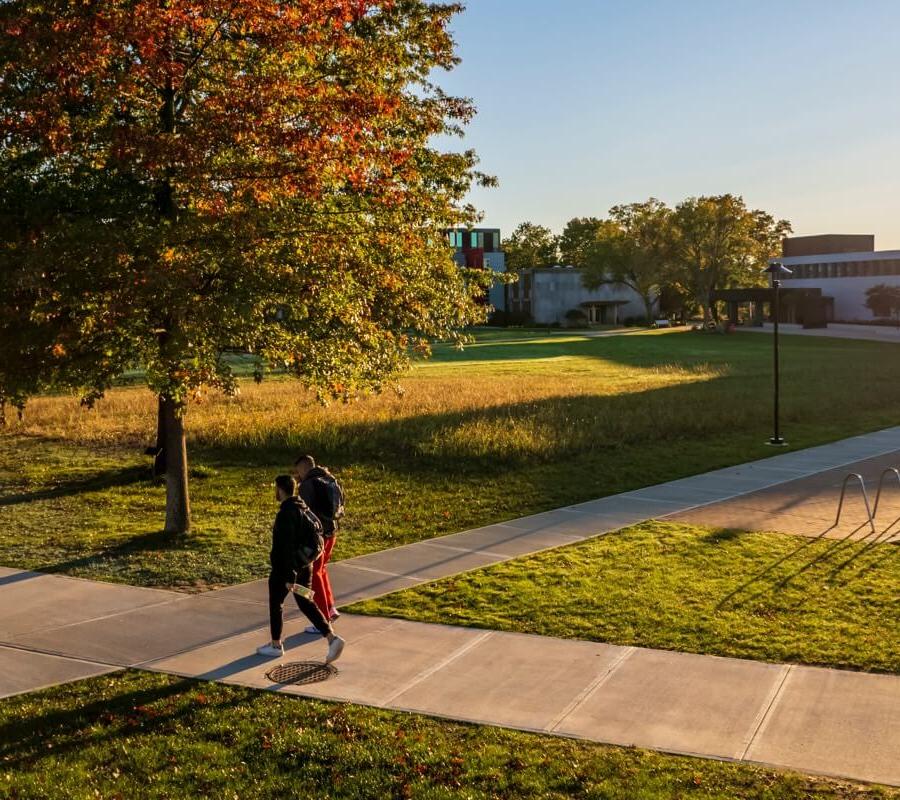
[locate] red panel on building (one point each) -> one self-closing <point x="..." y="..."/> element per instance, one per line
<point x="475" y="257"/>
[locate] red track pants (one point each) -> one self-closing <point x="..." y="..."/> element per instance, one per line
<point x="323" y="598"/>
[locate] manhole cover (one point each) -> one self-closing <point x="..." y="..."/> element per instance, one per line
<point x="301" y="672"/>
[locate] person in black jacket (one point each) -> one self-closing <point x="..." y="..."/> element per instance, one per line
<point x="314" y="483"/>
<point x="289" y="576"/>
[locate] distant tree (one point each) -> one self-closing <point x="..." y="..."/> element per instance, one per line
<point x="530" y="246"/>
<point x="577" y="239"/>
<point x="884" y="301"/>
<point x="632" y="248"/>
<point x="718" y="242"/>
<point x="178" y="178"/>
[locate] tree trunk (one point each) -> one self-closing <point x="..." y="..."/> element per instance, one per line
<point x="178" y="504"/>
<point x="159" y="450"/>
<point x="648" y="307"/>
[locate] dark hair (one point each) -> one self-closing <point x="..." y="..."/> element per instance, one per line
<point x="287" y="484"/>
<point x="306" y="461"/>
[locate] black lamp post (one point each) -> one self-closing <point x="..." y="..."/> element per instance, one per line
<point x="776" y="270"/>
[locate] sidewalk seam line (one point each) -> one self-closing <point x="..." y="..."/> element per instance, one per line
<point x="101" y="617"/>
<point x="149" y="663"/>
<point x="52" y="654"/>
<point x="593" y="686"/>
<point x="427" y="673"/>
<point x="372" y="569"/>
<point x="766" y="714"/>
<point x="428" y="543"/>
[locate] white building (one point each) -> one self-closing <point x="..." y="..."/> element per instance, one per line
<point x="548" y="294"/>
<point x="843" y="267"/>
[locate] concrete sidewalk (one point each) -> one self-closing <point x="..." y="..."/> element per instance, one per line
<point x="838" y="723"/>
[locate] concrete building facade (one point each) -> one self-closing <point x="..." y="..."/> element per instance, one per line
<point x="842" y="267"/>
<point x="548" y="294"/>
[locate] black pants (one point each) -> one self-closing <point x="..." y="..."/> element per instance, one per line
<point x="278" y="590"/>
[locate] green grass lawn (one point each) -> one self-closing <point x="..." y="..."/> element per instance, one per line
<point x="770" y="597"/>
<point x="516" y="423"/>
<point x="154" y="736"/>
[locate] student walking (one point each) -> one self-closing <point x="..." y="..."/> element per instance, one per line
<point x="325" y="497"/>
<point x="296" y="543"/>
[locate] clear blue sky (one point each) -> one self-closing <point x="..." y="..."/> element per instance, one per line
<point x="586" y="103"/>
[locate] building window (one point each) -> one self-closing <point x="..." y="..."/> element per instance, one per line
<point x="477" y="239"/>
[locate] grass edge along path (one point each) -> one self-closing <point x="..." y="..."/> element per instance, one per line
<point x="150" y="735"/>
<point x="513" y="425"/>
<point x="761" y="596"/>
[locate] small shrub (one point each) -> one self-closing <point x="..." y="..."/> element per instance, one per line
<point x="507" y="319"/>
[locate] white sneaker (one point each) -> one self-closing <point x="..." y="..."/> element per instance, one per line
<point x="335" y="648"/>
<point x="271" y="650"/>
<point x="333" y="614"/>
<point x="312" y="629"/>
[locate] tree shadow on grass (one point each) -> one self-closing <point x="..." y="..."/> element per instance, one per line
<point x="157" y="541"/>
<point x="107" y="479"/>
<point x="25" y="739"/>
<point x="512" y="433"/>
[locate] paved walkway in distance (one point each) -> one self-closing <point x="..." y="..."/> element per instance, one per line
<point x="55" y="628"/>
<point x="835" y="330"/>
<point x="808" y="506"/>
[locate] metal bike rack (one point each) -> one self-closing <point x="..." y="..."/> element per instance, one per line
<point x="862" y="486"/>
<point x="881" y="484"/>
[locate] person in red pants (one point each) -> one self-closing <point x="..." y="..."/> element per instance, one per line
<point x="325" y="497"/>
<point x="294" y="541"/>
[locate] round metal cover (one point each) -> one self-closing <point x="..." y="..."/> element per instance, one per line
<point x="301" y="672"/>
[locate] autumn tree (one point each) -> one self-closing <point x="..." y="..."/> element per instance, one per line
<point x="530" y="246"/>
<point x="178" y="178"/>
<point x="717" y="242"/>
<point x="632" y="248"/>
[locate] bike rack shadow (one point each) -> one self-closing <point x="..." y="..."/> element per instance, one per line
<point x="871" y="539"/>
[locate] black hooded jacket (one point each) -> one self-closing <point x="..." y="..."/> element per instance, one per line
<point x="311" y="492"/>
<point x="282" y="556"/>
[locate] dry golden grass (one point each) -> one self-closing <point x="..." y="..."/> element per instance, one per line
<point x="282" y="413"/>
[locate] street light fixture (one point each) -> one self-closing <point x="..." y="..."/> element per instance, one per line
<point x="776" y="271"/>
